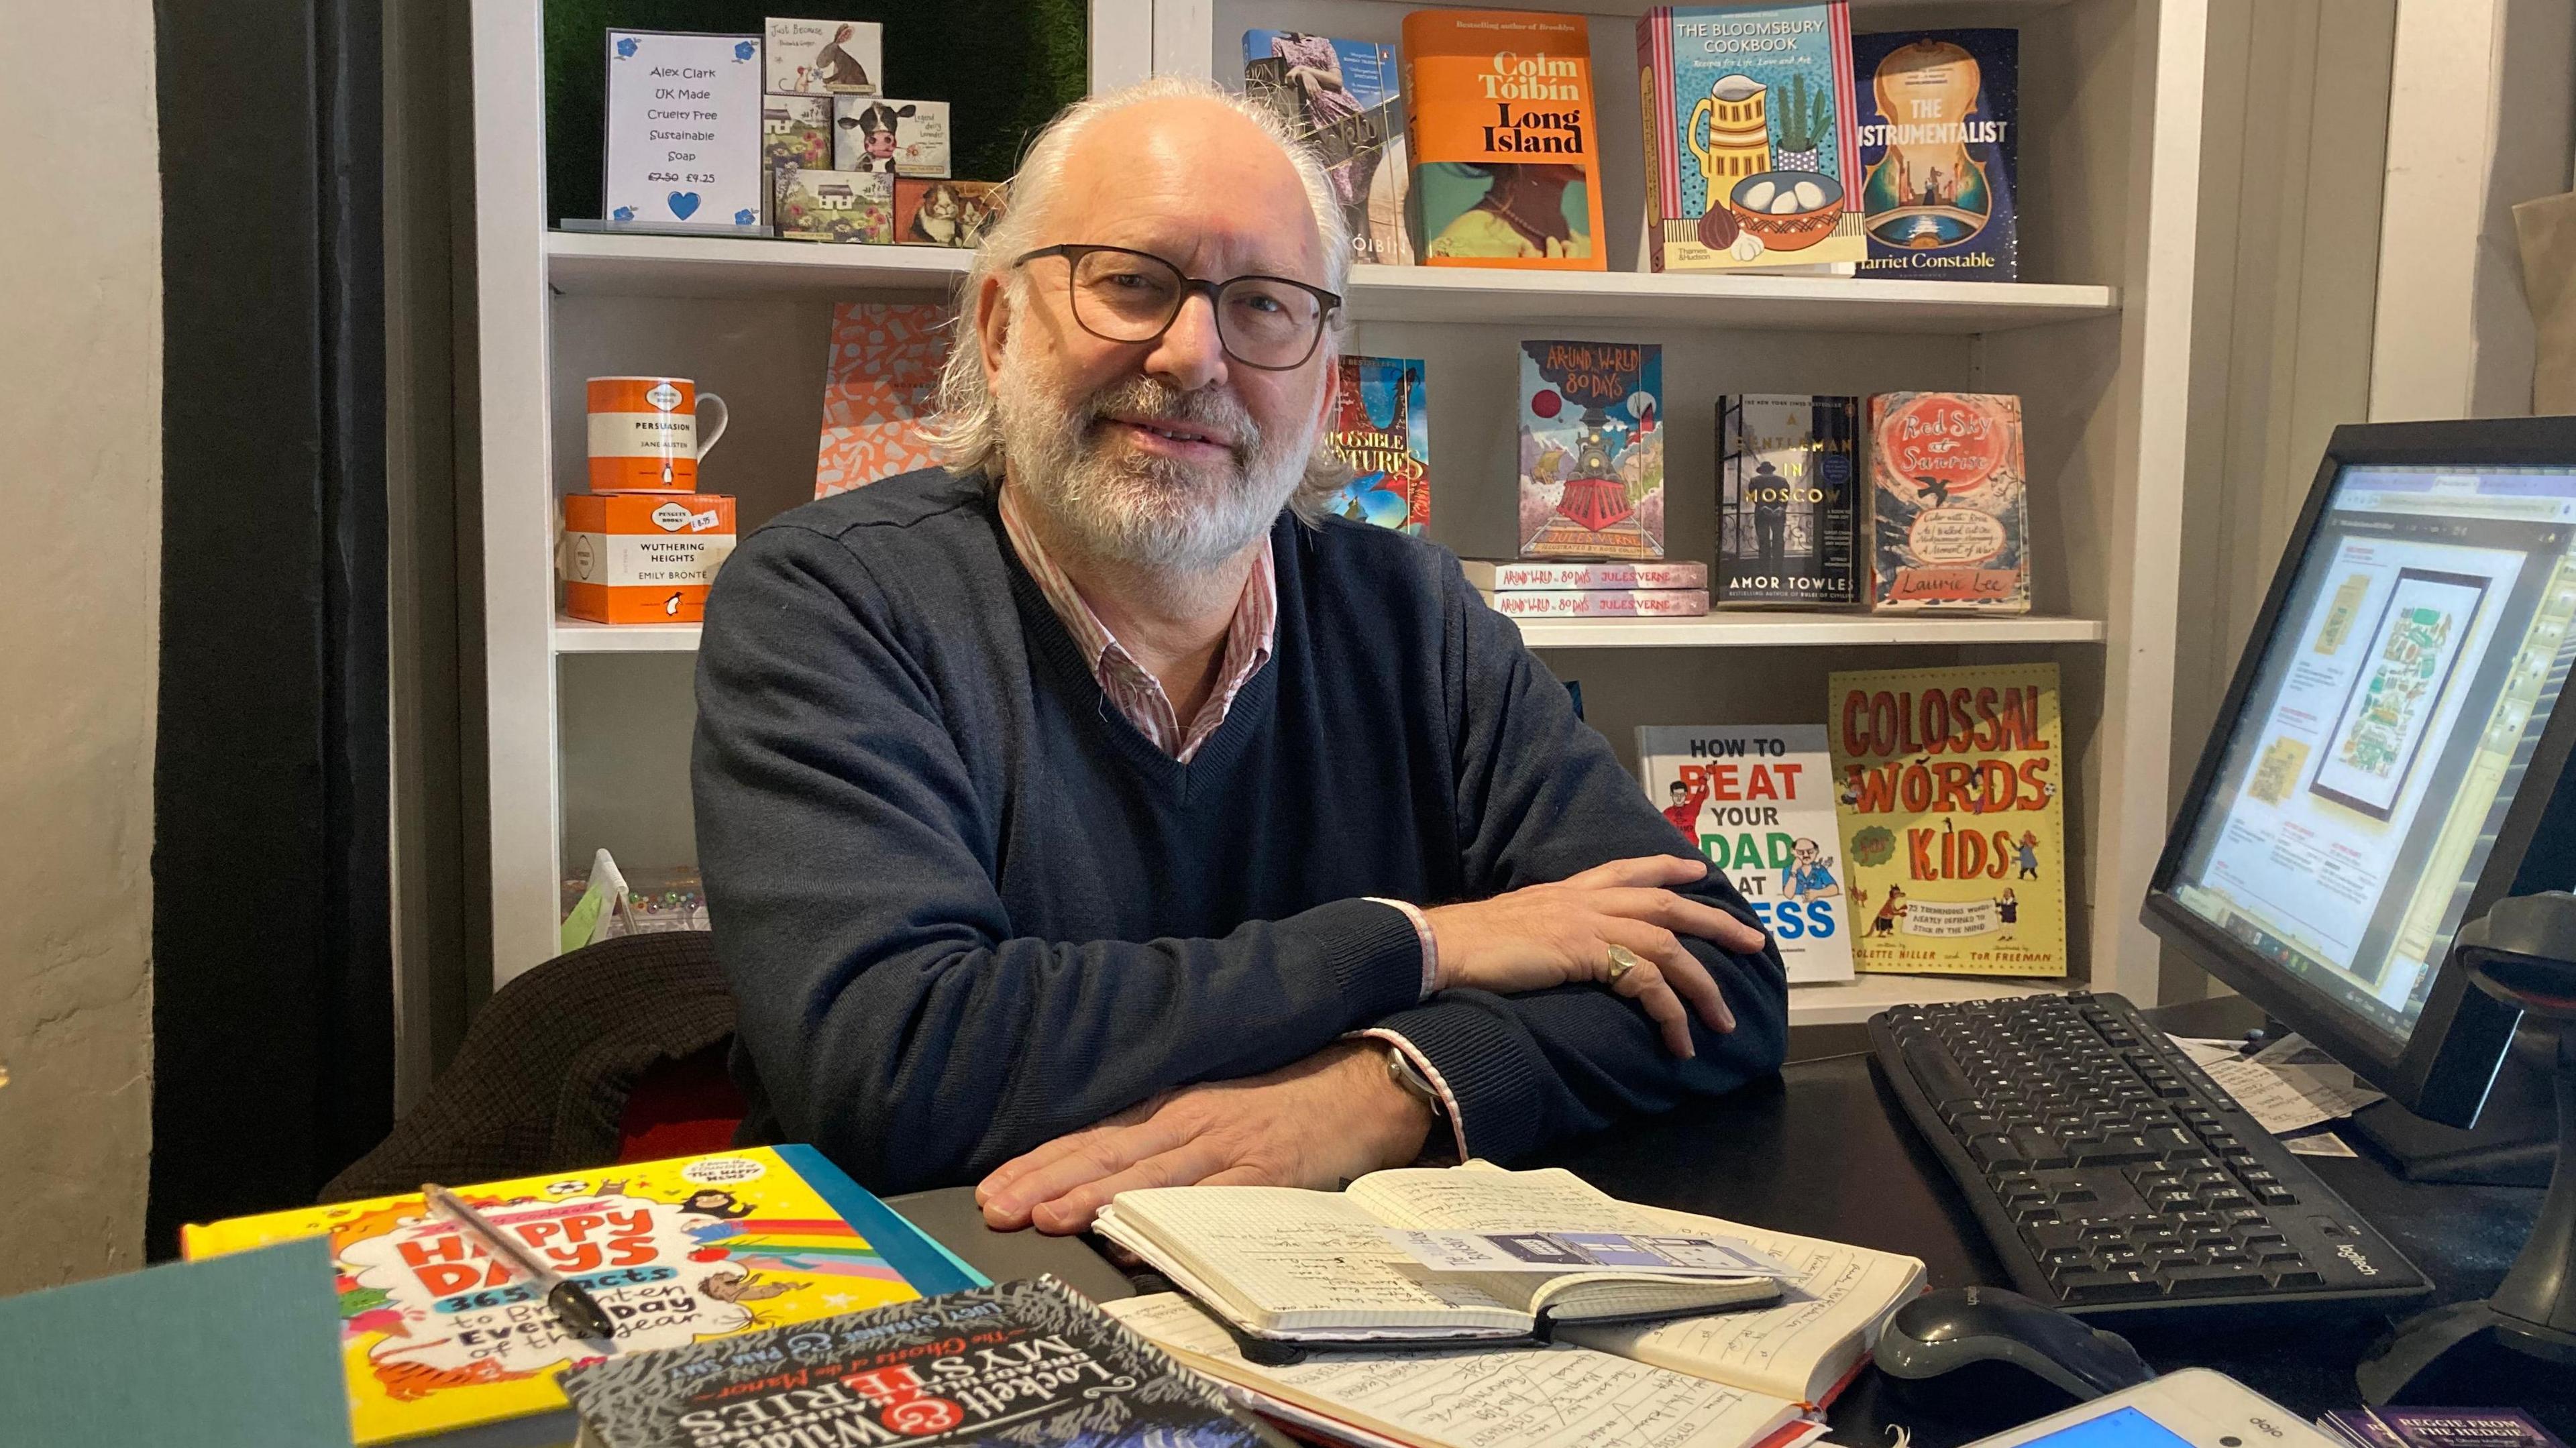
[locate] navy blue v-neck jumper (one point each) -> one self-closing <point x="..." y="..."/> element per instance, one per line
<point x="965" y="907"/>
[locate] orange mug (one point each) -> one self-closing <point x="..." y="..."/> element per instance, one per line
<point x="644" y="434"/>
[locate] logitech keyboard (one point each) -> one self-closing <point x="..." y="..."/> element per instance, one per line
<point x="2113" y="1177"/>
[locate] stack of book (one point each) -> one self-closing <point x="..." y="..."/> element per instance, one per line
<point x="1591" y="590"/>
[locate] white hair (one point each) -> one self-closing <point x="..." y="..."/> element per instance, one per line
<point x="966" y="435"/>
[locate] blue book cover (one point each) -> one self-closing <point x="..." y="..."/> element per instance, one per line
<point x="1382" y="427"/>
<point x="1939" y="132"/>
<point x="1340" y="96"/>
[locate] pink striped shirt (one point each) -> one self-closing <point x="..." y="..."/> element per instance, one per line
<point x="1140" y="699"/>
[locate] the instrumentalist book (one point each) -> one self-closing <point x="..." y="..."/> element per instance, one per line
<point x="437" y="1338"/>
<point x="1939" y="137"/>
<point x="1948" y="783"/>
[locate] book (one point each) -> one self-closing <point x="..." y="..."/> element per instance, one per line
<point x="880" y="383"/>
<point x="1023" y="1362"/>
<point x="436" y="1337"/>
<point x="1598" y="602"/>
<point x="2437" y="1428"/>
<point x="1506" y="155"/>
<point x="1802" y="1348"/>
<point x="1949" y="786"/>
<point x="846" y="206"/>
<point x="1340" y="97"/>
<point x="1292" y="1265"/>
<point x="1788" y="500"/>
<point x="1939" y="143"/>
<point x="824" y="57"/>
<point x="1382" y="428"/>
<point x="1751" y="137"/>
<point x="1495" y="574"/>
<point x="1552" y="1396"/>
<point x="1757" y="800"/>
<point x="1949" y="504"/>
<point x="900" y="138"/>
<point x="1592" y="451"/>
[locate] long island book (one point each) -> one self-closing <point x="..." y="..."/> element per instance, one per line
<point x="1950" y="786"/>
<point x="1757" y="800"/>
<point x="1382" y="427"/>
<point x="1949" y="503"/>
<point x="438" y="1337"/>
<point x="1940" y="138"/>
<point x="1788" y="500"/>
<point x="1506" y="151"/>
<point x="1751" y="141"/>
<point x="1340" y="97"/>
<point x="1592" y="450"/>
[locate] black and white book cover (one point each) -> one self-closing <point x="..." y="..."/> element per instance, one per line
<point x="1024" y="1363"/>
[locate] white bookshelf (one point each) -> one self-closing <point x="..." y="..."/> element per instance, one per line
<point x="588" y="724"/>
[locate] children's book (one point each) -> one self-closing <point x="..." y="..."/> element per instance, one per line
<point x="1492" y="575"/>
<point x="1949" y="786"/>
<point x="1024" y="1362"/>
<point x="1592" y="450"/>
<point x="1800" y="1348"/>
<point x="1752" y="156"/>
<point x="945" y="213"/>
<point x="1788" y="500"/>
<point x="1599" y="602"/>
<point x="1939" y="138"/>
<point x="899" y="138"/>
<point x="1757" y="800"/>
<point x="880" y="384"/>
<point x="1382" y="428"/>
<point x="845" y="206"/>
<point x="824" y="57"/>
<point x="436" y="1336"/>
<point x="1949" y="503"/>
<point x="1506" y="154"/>
<point x="1340" y="97"/>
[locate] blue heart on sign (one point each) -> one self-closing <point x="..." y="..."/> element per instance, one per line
<point x="683" y="203"/>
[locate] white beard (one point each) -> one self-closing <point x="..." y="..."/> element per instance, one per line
<point x="1144" y="512"/>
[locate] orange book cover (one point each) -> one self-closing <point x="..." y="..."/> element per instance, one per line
<point x="1506" y="152"/>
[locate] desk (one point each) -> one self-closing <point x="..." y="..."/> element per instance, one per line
<point x="1824" y="1150"/>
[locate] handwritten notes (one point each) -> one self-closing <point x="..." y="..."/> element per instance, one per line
<point x="1542" y="1397"/>
<point x="1294" y="1258"/>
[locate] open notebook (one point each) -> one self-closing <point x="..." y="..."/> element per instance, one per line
<point x="1553" y="1396"/>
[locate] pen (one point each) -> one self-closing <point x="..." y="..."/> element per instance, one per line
<point x="576" y="1309"/>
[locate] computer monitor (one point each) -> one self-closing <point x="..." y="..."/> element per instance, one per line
<point x="2389" y="759"/>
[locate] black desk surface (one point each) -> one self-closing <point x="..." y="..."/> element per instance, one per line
<point x="1825" y="1151"/>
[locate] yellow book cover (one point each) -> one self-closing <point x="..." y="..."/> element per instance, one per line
<point x="1949" y="789"/>
<point x="436" y="1336"/>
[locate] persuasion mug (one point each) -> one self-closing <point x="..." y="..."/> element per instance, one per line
<point x="644" y="434"/>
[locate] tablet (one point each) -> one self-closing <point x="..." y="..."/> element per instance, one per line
<point x="2193" y="1408"/>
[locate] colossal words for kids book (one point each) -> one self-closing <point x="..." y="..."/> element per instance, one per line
<point x="1939" y="138"/>
<point x="1756" y="799"/>
<point x="1949" y="503"/>
<point x="1948" y="783"/>
<point x="1382" y="428"/>
<point x="1788" y="500"/>
<point x="1752" y="156"/>
<point x="437" y="1336"/>
<point x="1592" y="450"/>
<point x="1339" y="96"/>
<point x="1024" y="1362"/>
<point x="1506" y="155"/>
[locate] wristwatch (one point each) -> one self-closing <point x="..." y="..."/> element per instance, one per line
<point x="1409" y="1078"/>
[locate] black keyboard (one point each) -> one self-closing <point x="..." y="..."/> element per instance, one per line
<point x="2114" y="1177"/>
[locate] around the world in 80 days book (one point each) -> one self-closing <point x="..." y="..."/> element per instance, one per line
<point x="1592" y="450"/>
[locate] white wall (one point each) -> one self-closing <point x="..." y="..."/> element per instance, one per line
<point x="80" y="289"/>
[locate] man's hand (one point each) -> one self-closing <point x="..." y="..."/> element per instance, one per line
<point x="1557" y="934"/>
<point x="1329" y="1117"/>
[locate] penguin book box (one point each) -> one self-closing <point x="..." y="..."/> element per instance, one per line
<point x="441" y="1344"/>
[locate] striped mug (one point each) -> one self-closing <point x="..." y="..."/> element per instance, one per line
<point x="644" y="434"/>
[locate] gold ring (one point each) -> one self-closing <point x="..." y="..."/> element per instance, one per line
<point x="1622" y="961"/>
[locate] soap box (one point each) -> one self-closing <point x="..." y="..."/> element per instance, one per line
<point x="642" y="557"/>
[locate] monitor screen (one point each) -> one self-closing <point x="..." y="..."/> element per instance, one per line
<point x="2408" y="676"/>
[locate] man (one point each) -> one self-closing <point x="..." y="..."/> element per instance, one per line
<point x="1077" y="820"/>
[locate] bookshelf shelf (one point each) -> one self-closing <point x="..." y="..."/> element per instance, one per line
<point x="1716" y="631"/>
<point x="596" y="264"/>
<point x="1850" y="1002"/>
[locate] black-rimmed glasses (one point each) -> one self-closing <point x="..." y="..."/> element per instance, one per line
<point x="1271" y="323"/>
